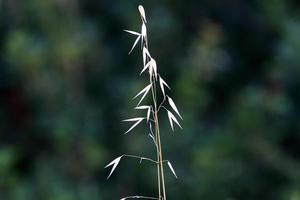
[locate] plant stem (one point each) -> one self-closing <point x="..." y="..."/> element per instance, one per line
<point x="158" y="141"/>
<point x="160" y="169"/>
<point x="156" y="138"/>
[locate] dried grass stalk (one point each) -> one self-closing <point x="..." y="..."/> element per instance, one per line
<point x="151" y="116"/>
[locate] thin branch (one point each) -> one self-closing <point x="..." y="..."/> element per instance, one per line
<point x="161" y="104"/>
<point x="140" y="157"/>
<point x="164" y="108"/>
<point x="151" y="120"/>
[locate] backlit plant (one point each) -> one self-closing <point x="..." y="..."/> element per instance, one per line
<point x="156" y="83"/>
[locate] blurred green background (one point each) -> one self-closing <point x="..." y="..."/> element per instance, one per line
<point x="66" y="82"/>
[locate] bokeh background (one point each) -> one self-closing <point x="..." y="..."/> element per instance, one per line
<point x="66" y="82"/>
